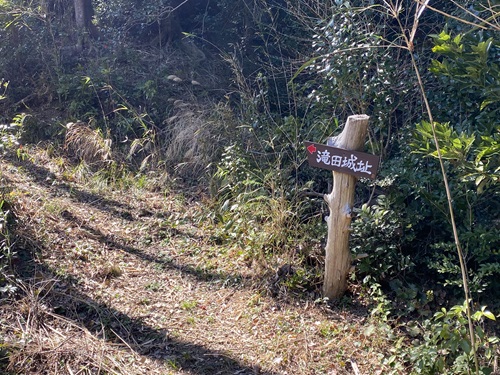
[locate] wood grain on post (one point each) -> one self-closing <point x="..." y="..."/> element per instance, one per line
<point x="340" y="200"/>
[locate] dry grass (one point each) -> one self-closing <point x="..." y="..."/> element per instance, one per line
<point x="189" y="139"/>
<point x="195" y="137"/>
<point x="87" y="144"/>
<point x="43" y="341"/>
<point x="130" y="283"/>
<point x="188" y="142"/>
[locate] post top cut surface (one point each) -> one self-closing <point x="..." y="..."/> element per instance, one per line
<point x="359" y="117"/>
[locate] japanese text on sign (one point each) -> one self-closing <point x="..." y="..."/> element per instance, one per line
<point x="351" y="163"/>
<point x="357" y="163"/>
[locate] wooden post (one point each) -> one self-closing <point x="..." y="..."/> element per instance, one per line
<point x="340" y="201"/>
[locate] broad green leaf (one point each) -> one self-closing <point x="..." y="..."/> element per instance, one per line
<point x="489" y="315"/>
<point x="486" y="103"/>
<point x="481" y="181"/>
<point x="465" y="345"/>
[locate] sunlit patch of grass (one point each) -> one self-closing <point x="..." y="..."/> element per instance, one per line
<point x="173" y="364"/>
<point x="328" y="329"/>
<point x="188" y="305"/>
<point x="53" y="207"/>
<point x="154" y="286"/>
<point x="98" y="182"/>
<point x="111" y="271"/>
<point x="255" y="300"/>
<point x="83" y="251"/>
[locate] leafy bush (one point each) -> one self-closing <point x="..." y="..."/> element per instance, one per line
<point x="254" y="210"/>
<point x="441" y="344"/>
<point x="362" y="71"/>
<point x="382" y="232"/>
<point x="469" y="73"/>
<point x="406" y="234"/>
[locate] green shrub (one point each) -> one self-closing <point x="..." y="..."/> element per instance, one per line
<point x="382" y="232"/>
<point x="441" y="345"/>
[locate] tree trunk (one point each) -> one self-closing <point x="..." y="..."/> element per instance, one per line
<point x="84" y="11"/>
<point x="340" y="200"/>
<point x="80" y="16"/>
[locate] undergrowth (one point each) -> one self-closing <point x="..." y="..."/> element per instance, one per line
<point x="151" y="121"/>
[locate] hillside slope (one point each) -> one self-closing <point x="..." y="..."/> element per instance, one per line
<point x="129" y="282"/>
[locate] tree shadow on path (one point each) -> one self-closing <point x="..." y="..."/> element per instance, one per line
<point x="47" y="179"/>
<point x="154" y="255"/>
<point x="65" y="299"/>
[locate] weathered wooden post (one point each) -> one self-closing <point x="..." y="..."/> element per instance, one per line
<point x="340" y="201"/>
<point x="341" y="155"/>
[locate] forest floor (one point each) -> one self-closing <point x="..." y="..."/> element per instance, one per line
<point x="131" y="282"/>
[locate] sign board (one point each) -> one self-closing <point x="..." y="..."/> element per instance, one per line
<point x="356" y="163"/>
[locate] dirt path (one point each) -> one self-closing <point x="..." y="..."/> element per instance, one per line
<point x="128" y="282"/>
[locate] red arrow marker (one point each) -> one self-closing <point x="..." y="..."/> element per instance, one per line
<point x="312" y="149"/>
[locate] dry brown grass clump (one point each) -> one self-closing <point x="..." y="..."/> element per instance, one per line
<point x="195" y="138"/>
<point x="87" y="144"/>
